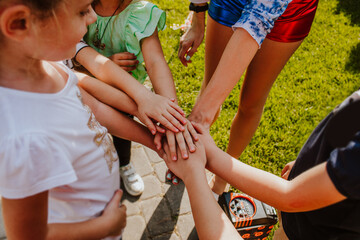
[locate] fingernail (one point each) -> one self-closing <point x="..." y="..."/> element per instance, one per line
<point x="174" y="158"/>
<point x="168" y="176"/>
<point x="187" y="58"/>
<point x="153" y="132"/>
<point x="185" y="155"/>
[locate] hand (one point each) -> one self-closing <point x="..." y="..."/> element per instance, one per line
<point x="115" y="215"/>
<point x="125" y="60"/>
<point x="184" y="140"/>
<point x="154" y="107"/>
<point x="207" y="140"/>
<point x="183" y="168"/>
<point x="287" y="169"/>
<point x="192" y="38"/>
<point x="200" y="117"/>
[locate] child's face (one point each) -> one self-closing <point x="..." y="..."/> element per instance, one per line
<point x="59" y="35"/>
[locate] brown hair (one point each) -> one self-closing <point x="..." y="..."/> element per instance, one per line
<point x="44" y="8"/>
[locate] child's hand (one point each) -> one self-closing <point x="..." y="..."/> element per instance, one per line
<point x="205" y="137"/>
<point x="185" y="167"/>
<point x="115" y="215"/>
<point x="163" y="110"/>
<point x="125" y="60"/>
<point x="287" y="169"/>
<point x="183" y="141"/>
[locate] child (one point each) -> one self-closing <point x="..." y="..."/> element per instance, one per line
<point x="58" y="173"/>
<point x="131" y="27"/>
<point x="322" y="198"/>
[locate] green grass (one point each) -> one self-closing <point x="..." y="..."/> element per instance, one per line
<point x="321" y="73"/>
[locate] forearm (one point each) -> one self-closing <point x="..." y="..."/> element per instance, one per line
<point x="117" y="123"/>
<point x="107" y="94"/>
<point x="91" y="229"/>
<point x="157" y="68"/>
<point x="236" y="57"/>
<point x="107" y="71"/>
<point x="210" y="221"/>
<point x="311" y="190"/>
<point x="162" y="79"/>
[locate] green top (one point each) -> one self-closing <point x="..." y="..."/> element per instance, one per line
<point x="125" y="31"/>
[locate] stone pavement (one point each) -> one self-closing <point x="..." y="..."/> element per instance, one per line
<point x="162" y="212"/>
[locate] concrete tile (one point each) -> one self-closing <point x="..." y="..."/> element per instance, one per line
<point x="135" y="229"/>
<point x="141" y="161"/>
<point x="132" y="208"/>
<point x="186" y="227"/>
<point x="153" y="156"/>
<point x="167" y="236"/>
<point x="157" y="216"/>
<point x="160" y="170"/>
<point x="152" y="187"/>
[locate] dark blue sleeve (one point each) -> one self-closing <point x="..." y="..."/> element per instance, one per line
<point x="343" y="168"/>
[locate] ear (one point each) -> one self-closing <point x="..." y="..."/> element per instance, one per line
<point x="15" y="22"/>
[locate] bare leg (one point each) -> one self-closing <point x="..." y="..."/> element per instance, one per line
<point x="260" y="76"/>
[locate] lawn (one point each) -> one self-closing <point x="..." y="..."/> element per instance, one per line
<point x="322" y="72"/>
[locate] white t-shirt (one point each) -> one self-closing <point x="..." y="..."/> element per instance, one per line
<point x="53" y="142"/>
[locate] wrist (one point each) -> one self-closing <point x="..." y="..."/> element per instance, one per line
<point x="195" y="174"/>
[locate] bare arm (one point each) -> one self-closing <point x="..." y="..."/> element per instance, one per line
<point x="210" y="220"/>
<point x="107" y="94"/>
<point x="157" y="67"/>
<point x="151" y="106"/>
<point x="311" y="190"/>
<point x="27" y="219"/>
<point x="117" y="123"/>
<point x="236" y="57"/>
<point x="163" y="83"/>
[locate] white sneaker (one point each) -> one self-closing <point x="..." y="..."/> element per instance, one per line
<point x="133" y="183"/>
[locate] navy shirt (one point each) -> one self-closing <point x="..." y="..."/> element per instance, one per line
<point x="340" y="220"/>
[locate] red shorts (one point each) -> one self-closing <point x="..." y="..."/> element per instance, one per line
<point x="295" y="23"/>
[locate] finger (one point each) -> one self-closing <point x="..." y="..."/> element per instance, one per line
<point x="149" y="124"/>
<point x="182" y="145"/>
<point x="178" y="109"/>
<point x="160" y="129"/>
<point x="198" y="127"/>
<point x="166" y="123"/>
<point x="157" y="141"/>
<point x="192" y="131"/>
<point x="170" y="136"/>
<point x="178" y="115"/>
<point x="128" y="63"/>
<point x="128" y="69"/>
<point x="124" y="55"/>
<point x="181" y="53"/>
<point x="174" y="121"/>
<point x="285" y="169"/>
<point x="115" y="200"/>
<point x="189" y="140"/>
<point x="167" y="152"/>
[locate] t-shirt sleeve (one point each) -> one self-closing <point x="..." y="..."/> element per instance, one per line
<point x="343" y="168"/>
<point x="259" y="16"/>
<point x="142" y="22"/>
<point x="32" y="164"/>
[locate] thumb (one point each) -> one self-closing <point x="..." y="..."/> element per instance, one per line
<point x="115" y="200"/>
<point x="198" y="127"/>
